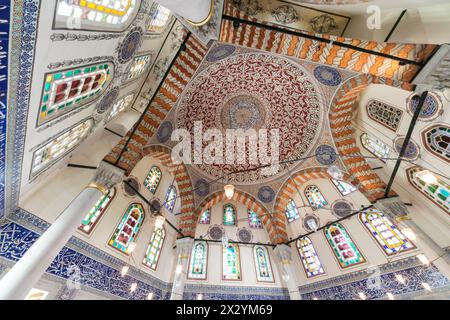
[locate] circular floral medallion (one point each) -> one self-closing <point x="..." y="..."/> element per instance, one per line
<point x="266" y="194"/>
<point x="252" y="91"/>
<point x="327" y="76"/>
<point x="127" y="189"/>
<point x="311" y="223"/>
<point x="128" y="47"/>
<point x="164" y="132"/>
<point x="108" y="100"/>
<point x="244" y="235"/>
<point x="412" y="151"/>
<point x="325" y="154"/>
<point x="220" y="52"/>
<point x="216" y="232"/>
<point x="202" y="187"/>
<point x="341" y="208"/>
<point x="431" y="108"/>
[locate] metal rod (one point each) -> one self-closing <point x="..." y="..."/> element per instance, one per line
<point x="113" y="132"/>
<point x="395" y="25"/>
<point x="406" y="142"/>
<point x="81" y="166"/>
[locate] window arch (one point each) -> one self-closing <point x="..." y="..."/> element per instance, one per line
<point x="344" y="187"/>
<point x="121" y="105"/>
<point x="437" y="140"/>
<point x="439" y="192"/>
<point x="128" y="228"/>
<point x="231" y="264"/>
<point x="97" y="15"/>
<point x="229" y="215"/>
<point x="198" y="261"/>
<point x="159" y="17"/>
<point x="94" y="215"/>
<point x="343" y="247"/>
<point x="171" y="198"/>
<point x="384" y="114"/>
<point x="310" y="259"/>
<point x="137" y="67"/>
<point x="72" y="88"/>
<point x="59" y="147"/>
<point x="315" y="197"/>
<point x="253" y="220"/>
<point x="205" y="217"/>
<point x="291" y="211"/>
<point x="385" y="232"/>
<point x="154" y="248"/>
<point x="153" y="178"/>
<point x="375" y="146"/>
<point x="263" y="266"/>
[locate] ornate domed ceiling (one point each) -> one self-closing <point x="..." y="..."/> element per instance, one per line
<point x="236" y="88"/>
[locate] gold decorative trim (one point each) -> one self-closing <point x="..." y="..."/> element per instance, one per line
<point x="206" y="20"/>
<point x="99" y="187"/>
<point x="403" y="218"/>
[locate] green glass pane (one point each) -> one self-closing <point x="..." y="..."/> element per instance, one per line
<point x="45" y="99"/>
<point x="69" y="73"/>
<point x="58" y="76"/>
<point x="44" y="107"/>
<point x="47" y="86"/>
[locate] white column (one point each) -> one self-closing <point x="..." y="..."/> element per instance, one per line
<point x="29" y="269"/>
<point x="197" y="12"/>
<point x="184" y="249"/>
<point x="283" y="253"/>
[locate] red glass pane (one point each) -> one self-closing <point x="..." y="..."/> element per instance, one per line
<point x="95" y="85"/>
<point x="73" y="93"/>
<point x="61" y="87"/>
<point x="60" y="97"/>
<point x="75" y="84"/>
<point x="85" y="88"/>
<point x="87" y="80"/>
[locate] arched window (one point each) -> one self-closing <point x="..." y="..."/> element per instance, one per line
<point x="154" y="248"/>
<point x="384" y="114"/>
<point x="229" y="215"/>
<point x="315" y="197"/>
<point x="198" y="261"/>
<point x="375" y="146"/>
<point x="253" y="220"/>
<point x="128" y="229"/>
<point x="59" y="147"/>
<point x="153" y="178"/>
<point x="344" y="187"/>
<point x="121" y="105"/>
<point x="310" y="259"/>
<point x="231" y="264"/>
<point x="437" y="140"/>
<point x="385" y="232"/>
<point x="343" y="247"/>
<point x="159" y="16"/>
<point x="438" y="192"/>
<point x="97" y="15"/>
<point x="291" y="211"/>
<point x="171" y="198"/>
<point x="72" y="88"/>
<point x="137" y="67"/>
<point x="205" y="217"/>
<point x="94" y="215"/>
<point x="262" y="263"/>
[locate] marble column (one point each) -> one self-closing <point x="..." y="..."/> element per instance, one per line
<point x="16" y="284"/>
<point x="184" y="249"/>
<point x="283" y="253"/>
<point x="196" y="12"/>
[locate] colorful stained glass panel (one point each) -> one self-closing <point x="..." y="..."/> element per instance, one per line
<point x="310" y="259"/>
<point x="96" y="212"/>
<point x="198" y="261"/>
<point x="343" y="247"/>
<point x="263" y="266"/>
<point x="153" y="178"/>
<point x="154" y="248"/>
<point x="231" y="268"/>
<point x="128" y="228"/>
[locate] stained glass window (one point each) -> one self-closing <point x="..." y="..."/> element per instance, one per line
<point x="439" y="192"/>
<point x="96" y="212"/>
<point x="205" y="217"/>
<point x="231" y="269"/>
<point x="71" y="88"/>
<point x="310" y="259"/>
<point x="344" y="187"/>
<point x="375" y="146"/>
<point x="385" y="232"/>
<point x="154" y="248"/>
<point x="60" y="146"/>
<point x="229" y="215"/>
<point x="128" y="228"/>
<point x="159" y="16"/>
<point x="95" y="14"/>
<point x="315" y="197"/>
<point x="171" y="198"/>
<point x="152" y="180"/>
<point x="198" y="261"/>
<point x="437" y="140"/>
<point x="384" y="114"/>
<point x="343" y="247"/>
<point x="292" y="211"/>
<point x="263" y="266"/>
<point x="139" y="65"/>
<point x="121" y="105"/>
<point x="253" y="220"/>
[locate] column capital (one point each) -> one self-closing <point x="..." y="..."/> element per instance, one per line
<point x="184" y="247"/>
<point x="392" y="207"/>
<point x="107" y="176"/>
<point x="284" y="253"/>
